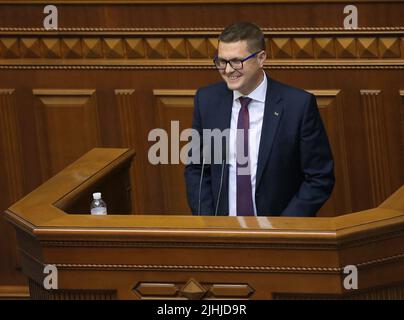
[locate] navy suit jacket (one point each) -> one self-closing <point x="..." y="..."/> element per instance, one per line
<point x="295" y="170"/>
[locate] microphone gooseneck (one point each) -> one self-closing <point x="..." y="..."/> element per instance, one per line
<point x="220" y="188"/>
<point x="200" y="186"/>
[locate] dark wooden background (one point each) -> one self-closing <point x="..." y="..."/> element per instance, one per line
<point x="112" y="72"/>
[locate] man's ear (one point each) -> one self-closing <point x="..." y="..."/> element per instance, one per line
<point x="262" y="56"/>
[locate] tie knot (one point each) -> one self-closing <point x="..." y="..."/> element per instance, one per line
<point x="244" y="101"/>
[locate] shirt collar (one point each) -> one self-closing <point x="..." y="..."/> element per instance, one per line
<point x="258" y="94"/>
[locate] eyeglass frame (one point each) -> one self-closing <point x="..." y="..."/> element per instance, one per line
<point x="229" y="61"/>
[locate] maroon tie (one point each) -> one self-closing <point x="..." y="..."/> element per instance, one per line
<point x="245" y="205"/>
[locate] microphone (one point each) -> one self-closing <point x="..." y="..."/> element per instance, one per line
<point x="200" y="186"/>
<point x="224" y="158"/>
<point x="220" y="188"/>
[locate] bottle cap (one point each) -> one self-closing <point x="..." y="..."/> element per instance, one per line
<point x="97" y="195"/>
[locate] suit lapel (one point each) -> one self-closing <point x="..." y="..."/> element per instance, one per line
<point x="224" y="119"/>
<point x="224" y="111"/>
<point x="272" y="117"/>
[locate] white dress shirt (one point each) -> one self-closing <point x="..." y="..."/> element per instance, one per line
<point x="256" y="113"/>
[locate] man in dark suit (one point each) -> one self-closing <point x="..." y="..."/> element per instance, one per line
<point x="288" y="167"/>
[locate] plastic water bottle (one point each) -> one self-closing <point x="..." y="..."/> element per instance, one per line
<point x="98" y="206"/>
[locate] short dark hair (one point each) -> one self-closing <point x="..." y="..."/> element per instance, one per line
<point x="248" y="31"/>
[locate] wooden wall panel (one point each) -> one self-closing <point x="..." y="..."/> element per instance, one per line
<point x="130" y="133"/>
<point x="377" y="154"/>
<point x="11" y="154"/>
<point x="174" y="109"/>
<point x="193" y="14"/>
<point x="402" y="121"/>
<point x="11" y="186"/>
<point x="67" y="125"/>
<point x="143" y="62"/>
<point x="330" y="105"/>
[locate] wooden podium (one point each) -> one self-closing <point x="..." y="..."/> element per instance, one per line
<point x="126" y="256"/>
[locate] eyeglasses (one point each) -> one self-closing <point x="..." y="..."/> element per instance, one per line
<point x="236" y="64"/>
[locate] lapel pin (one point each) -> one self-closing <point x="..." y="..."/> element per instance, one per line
<point x="276" y="113"/>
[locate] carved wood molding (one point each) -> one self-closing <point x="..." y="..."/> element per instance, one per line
<point x="192" y="289"/>
<point x="38" y="292"/>
<point x="139" y="244"/>
<point x="392" y="292"/>
<point x="213" y="268"/>
<point x="14" y="292"/>
<point x="348" y="243"/>
<point x="288" y="65"/>
<point x="194" y="30"/>
<point x="210" y="268"/>
<point x="151" y="2"/>
<point x="193" y="48"/>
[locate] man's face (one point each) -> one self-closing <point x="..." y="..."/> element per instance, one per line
<point x="249" y="77"/>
